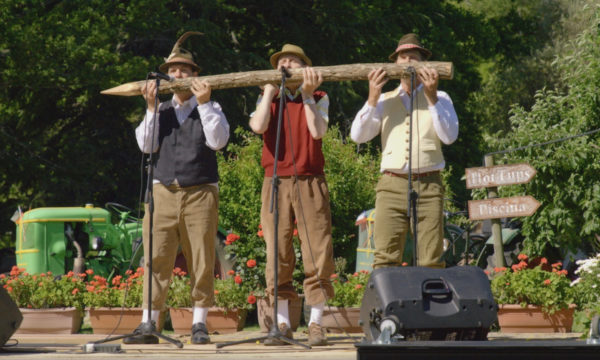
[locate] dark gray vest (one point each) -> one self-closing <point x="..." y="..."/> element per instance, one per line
<point x="183" y="154"/>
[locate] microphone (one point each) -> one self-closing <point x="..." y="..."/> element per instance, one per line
<point x="159" y="75"/>
<point x="410" y="70"/>
<point x="285" y="72"/>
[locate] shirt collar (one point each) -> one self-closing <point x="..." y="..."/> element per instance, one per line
<point x="289" y="94"/>
<point x="400" y="91"/>
<point x="188" y="104"/>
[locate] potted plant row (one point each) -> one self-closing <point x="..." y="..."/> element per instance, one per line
<point x="534" y="296"/>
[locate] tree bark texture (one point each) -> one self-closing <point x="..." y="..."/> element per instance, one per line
<point x="347" y="72"/>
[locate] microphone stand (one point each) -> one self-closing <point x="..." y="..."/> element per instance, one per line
<point x="274" y="332"/>
<point x="148" y="327"/>
<point x="412" y="194"/>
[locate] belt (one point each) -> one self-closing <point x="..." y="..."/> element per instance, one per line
<point x="414" y="175"/>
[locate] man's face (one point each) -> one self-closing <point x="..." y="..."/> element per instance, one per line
<point x="408" y="56"/>
<point x="289" y="61"/>
<point x="181" y="71"/>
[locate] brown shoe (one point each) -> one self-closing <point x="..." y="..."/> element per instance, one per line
<point x="316" y="335"/>
<point x="286" y="331"/>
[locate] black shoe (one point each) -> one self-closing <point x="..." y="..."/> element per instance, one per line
<point x="200" y="334"/>
<point x="139" y="338"/>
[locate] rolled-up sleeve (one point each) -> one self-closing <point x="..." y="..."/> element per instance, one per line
<point x="366" y="124"/>
<point x="445" y="120"/>
<point x="214" y="122"/>
<point x="146" y="133"/>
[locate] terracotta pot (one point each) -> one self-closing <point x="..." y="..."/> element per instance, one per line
<point x="104" y="320"/>
<point x="219" y="320"/>
<point x="531" y="319"/>
<point x="50" y="321"/>
<point x="339" y="319"/>
<point x="265" y="313"/>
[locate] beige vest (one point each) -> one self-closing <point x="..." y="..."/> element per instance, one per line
<point x="426" y="145"/>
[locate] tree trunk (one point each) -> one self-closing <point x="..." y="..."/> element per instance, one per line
<point x="262" y="77"/>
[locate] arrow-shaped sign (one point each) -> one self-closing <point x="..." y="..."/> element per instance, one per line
<point x="502" y="207"/>
<point x="499" y="175"/>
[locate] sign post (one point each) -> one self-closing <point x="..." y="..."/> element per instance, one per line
<point x="495" y="208"/>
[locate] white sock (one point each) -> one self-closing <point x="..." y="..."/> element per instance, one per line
<point x="200" y="314"/>
<point x="283" y="314"/>
<point x="316" y="313"/>
<point x="155" y="315"/>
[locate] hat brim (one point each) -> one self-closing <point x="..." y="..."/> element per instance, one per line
<point x="275" y="57"/>
<point x="426" y="53"/>
<point x="164" y="68"/>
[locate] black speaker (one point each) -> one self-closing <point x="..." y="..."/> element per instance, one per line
<point x="428" y="304"/>
<point x="11" y="317"/>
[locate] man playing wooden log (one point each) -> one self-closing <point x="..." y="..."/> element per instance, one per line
<point x="303" y="192"/>
<point x="434" y="122"/>
<point x="188" y="130"/>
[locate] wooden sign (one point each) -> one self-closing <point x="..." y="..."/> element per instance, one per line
<point x="502" y="207"/>
<point x="261" y="77"/>
<point x="499" y="175"/>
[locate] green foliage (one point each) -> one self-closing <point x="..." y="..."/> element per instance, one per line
<point x="43" y="291"/>
<point x="349" y="289"/>
<point x="527" y="285"/>
<point x="63" y="143"/>
<point x="567" y="183"/>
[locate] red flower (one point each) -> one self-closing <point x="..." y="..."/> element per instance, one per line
<point x="355" y="274"/>
<point x="358" y="286"/>
<point x="216" y="292"/>
<point x="260" y="226"/>
<point x="333" y="276"/>
<point x="89" y="271"/>
<point x="522" y="257"/>
<point x="260" y="233"/>
<point x="238" y="279"/>
<point x="486" y="272"/>
<point x="547" y="282"/>
<point x="231" y="272"/>
<point x="251" y="299"/>
<point x="75" y="291"/>
<point x="405" y="264"/>
<point x="556" y="265"/>
<point x="231" y="238"/>
<point x="295" y="232"/>
<point x="251" y="263"/>
<point x="543" y="260"/>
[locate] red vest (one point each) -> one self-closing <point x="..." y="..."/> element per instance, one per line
<point x="307" y="152"/>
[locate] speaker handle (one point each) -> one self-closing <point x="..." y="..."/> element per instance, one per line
<point x="433" y="287"/>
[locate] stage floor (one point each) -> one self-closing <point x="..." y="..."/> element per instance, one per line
<point x="43" y="346"/>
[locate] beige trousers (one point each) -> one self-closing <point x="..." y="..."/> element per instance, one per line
<point x="392" y="224"/>
<point x="187" y="218"/>
<point x="306" y="200"/>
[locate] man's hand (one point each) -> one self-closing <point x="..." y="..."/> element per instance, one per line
<point x="429" y="77"/>
<point x="201" y="90"/>
<point x="312" y="80"/>
<point x="377" y="78"/>
<point x="269" y="91"/>
<point x="149" y="94"/>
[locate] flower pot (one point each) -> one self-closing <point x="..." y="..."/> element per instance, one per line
<point x="265" y="313"/>
<point x="531" y="319"/>
<point x="50" y="321"/>
<point x="104" y="320"/>
<point x="341" y="319"/>
<point x="219" y="320"/>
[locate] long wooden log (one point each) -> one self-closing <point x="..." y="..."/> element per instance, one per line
<point x="261" y="77"/>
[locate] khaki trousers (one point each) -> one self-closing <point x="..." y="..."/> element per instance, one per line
<point x="185" y="217"/>
<point x="305" y="199"/>
<point x="392" y="224"/>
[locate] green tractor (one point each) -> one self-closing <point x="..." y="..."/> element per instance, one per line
<point x="63" y="239"/>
